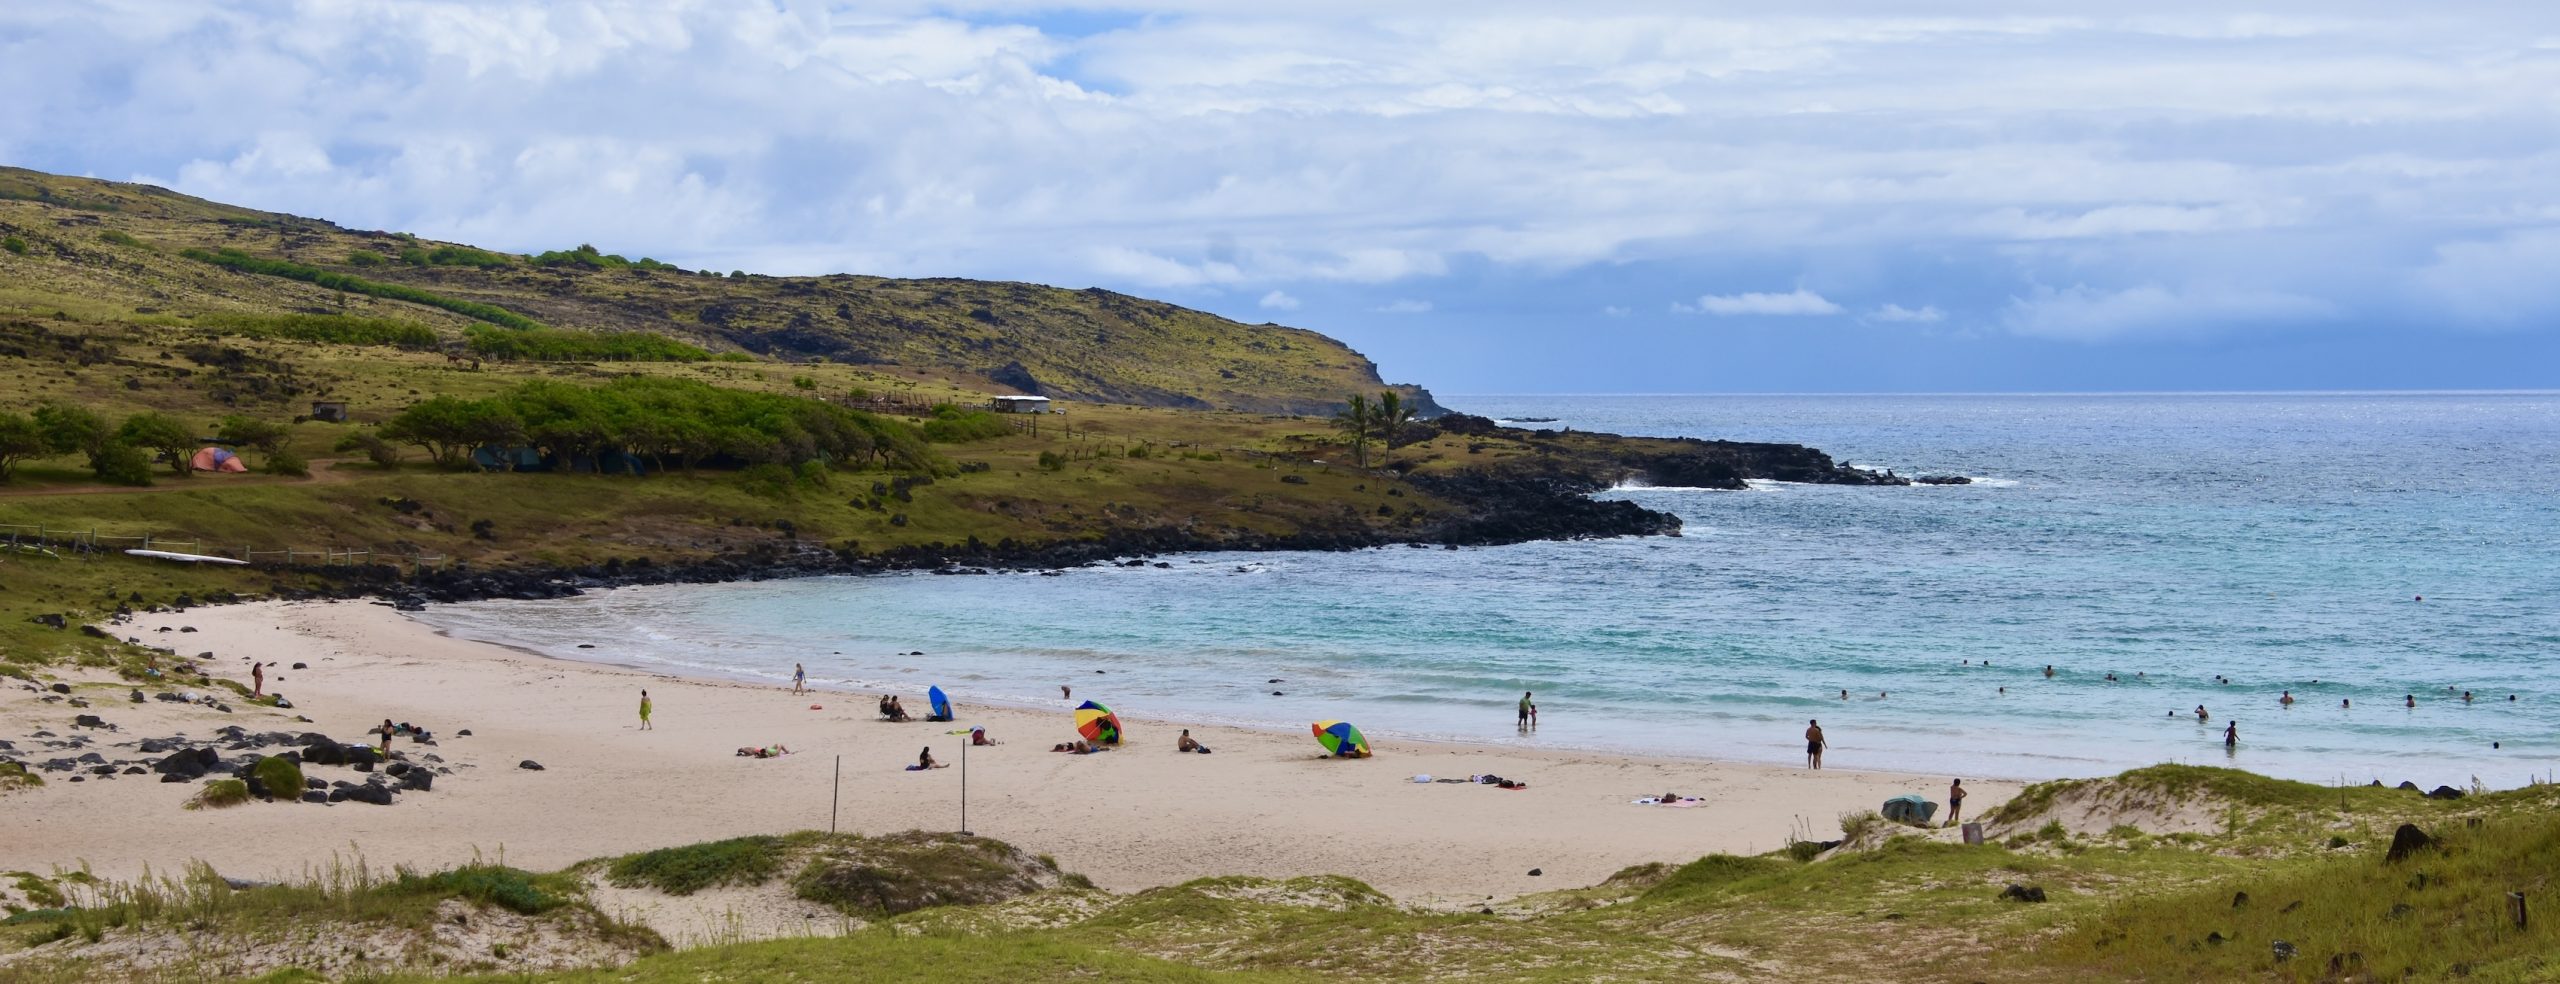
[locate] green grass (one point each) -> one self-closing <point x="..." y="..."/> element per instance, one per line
<point x="232" y="259"/>
<point x="694" y="867"/>
<point x="220" y="793"/>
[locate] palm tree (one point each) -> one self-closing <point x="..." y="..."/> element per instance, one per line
<point x="1358" y="421"/>
<point x="1390" y="415"/>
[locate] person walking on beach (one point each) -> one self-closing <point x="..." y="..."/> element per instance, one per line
<point x="257" y="679"/>
<point x="1955" y="801"/>
<point x="1526" y="708"/>
<point x="1813" y="744"/>
<point x="799" y="679"/>
<point x="644" y="711"/>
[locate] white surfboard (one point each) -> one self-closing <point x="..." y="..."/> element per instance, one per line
<point x="184" y="558"/>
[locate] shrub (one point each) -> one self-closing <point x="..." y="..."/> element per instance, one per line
<point x="364" y="258"/>
<point x="15" y="776"/>
<point x="694" y="867"/>
<point x="281" y="778"/>
<point x="282" y="462"/>
<point x="953" y="425"/>
<point x="15" y="245"/>
<point x="242" y="430"/>
<point x="116" y="237"/>
<point x="121" y="464"/>
<point x="232" y="259"/>
<point x="219" y="794"/>
<point x="382" y="453"/>
<point x="1052" y="461"/>
<point x="486" y="884"/>
<point x="803" y="382"/>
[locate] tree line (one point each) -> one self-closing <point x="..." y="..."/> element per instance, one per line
<point x="121" y="453"/>
<point x="685" y="422"/>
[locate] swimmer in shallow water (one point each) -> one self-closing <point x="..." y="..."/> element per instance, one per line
<point x="2411" y="699"/>
<point x="2343" y="704"/>
<point x="2201" y="715"/>
<point x="2287" y="699"/>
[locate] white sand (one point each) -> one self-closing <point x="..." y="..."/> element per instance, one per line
<point x="1140" y="816"/>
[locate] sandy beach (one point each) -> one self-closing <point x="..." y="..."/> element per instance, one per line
<point x="1263" y="804"/>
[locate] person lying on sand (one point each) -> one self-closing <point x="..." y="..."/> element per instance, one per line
<point x="978" y="736"/>
<point x="1187" y="744"/>
<point x="765" y="752"/>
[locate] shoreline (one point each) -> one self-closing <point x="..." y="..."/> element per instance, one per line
<point x="1265" y="803"/>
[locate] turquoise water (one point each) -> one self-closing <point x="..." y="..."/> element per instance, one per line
<point x="2276" y="541"/>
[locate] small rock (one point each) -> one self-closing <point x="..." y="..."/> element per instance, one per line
<point x="2285" y="951"/>
<point x="61" y="688"/>
<point x="2406" y="841"/>
<point x="1535" y="872"/>
<point x="530" y="765"/>
<point x="2239" y="900"/>
<point x="464" y="733"/>
<point x="301" y="666"/>
<point x="2216" y="938"/>
<point x="314" y="796"/>
<point x="2024" y="893"/>
<point x="2444" y="793"/>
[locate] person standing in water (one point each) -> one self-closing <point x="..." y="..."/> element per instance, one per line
<point x="2231" y="735"/>
<point x="799" y="679"/>
<point x="1955" y="801"/>
<point x="1525" y="708"/>
<point x="2287" y="700"/>
<point x="1813" y="744"/>
<point x="644" y="711"/>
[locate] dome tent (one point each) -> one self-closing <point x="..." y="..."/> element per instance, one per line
<point x="218" y="460"/>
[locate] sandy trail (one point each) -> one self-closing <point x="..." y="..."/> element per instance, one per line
<point x="1140" y="816"/>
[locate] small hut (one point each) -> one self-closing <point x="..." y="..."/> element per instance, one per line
<point x="1019" y="404"/>
<point x="329" y="411"/>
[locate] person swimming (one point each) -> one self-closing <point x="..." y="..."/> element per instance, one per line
<point x="2201" y="715"/>
<point x="2410" y="700"/>
<point x="2048" y="671"/>
<point x="2343" y="704"/>
<point x="2287" y="699"/>
<point x="2466" y="696"/>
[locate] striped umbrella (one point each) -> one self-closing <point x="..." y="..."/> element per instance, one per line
<point x="1341" y="739"/>
<point x="1097" y="724"/>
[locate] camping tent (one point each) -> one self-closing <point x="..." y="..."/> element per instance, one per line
<point x="218" y="460"/>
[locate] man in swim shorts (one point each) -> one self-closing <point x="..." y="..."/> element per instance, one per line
<point x="1813" y="744"/>
<point x="1524" y="710"/>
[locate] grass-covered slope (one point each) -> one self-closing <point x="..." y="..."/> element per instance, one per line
<point x="89" y="247"/>
<point x="2299" y="865"/>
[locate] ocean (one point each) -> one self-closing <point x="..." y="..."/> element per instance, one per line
<point x="2213" y="550"/>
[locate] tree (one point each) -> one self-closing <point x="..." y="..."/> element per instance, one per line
<point x="1358" y="421"/>
<point x="118" y="463"/>
<point x="242" y="430"/>
<point x="153" y="431"/>
<point x="381" y="452"/>
<point x="1391" y="414"/>
<point x="73" y="430"/>
<point x="20" y="439"/>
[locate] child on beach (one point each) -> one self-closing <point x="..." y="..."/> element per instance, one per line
<point x="644" y="712"/>
<point x="1955" y="801"/>
<point x="799" y="679"/>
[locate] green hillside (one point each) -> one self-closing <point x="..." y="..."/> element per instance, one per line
<point x="85" y="244"/>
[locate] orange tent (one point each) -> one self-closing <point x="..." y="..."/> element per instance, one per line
<point x="219" y="460"/>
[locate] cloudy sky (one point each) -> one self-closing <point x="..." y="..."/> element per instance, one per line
<point x="1485" y="196"/>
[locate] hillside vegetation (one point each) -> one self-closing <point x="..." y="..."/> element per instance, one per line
<point x="2298" y="888"/>
<point x="89" y="245"/>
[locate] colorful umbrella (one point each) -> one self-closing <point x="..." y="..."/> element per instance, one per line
<point x="1097" y="723"/>
<point x="1341" y="739"/>
<point x="941" y="704"/>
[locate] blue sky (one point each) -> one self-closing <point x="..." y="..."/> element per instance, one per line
<point x="1484" y="196"/>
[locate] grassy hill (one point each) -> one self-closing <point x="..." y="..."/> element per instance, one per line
<point x="98" y="248"/>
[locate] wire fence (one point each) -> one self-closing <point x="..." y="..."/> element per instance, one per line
<point x="90" y="544"/>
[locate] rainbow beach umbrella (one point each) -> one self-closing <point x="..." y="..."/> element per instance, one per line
<point x="1097" y="724"/>
<point x="1341" y="739"/>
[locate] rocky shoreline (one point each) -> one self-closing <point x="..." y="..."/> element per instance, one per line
<point x="1545" y="499"/>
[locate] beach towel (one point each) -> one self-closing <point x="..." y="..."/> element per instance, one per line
<point x="1685" y="802"/>
<point x="915" y="768"/>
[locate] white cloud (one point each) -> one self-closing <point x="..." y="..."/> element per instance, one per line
<point x="1205" y="146"/>
<point x="1613" y="311"/>
<point x="1799" y="302"/>
<point x="1404" y="305"/>
<point x="2085" y="314"/>
<point x="1896" y="313"/>
<point x="2505" y="282"/>
<point x="1279" y="301"/>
